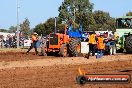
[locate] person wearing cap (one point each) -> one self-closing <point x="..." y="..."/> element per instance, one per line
<point x="33" y="43"/>
<point x="100" y="46"/>
<point x="92" y="44"/>
<point x="113" y="41"/>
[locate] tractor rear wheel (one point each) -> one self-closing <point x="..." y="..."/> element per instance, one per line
<point x="74" y="47"/>
<point x="63" y="50"/>
<point x="128" y="44"/>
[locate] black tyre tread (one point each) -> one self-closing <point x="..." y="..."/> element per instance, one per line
<point x="128" y="44"/>
<point x="72" y="47"/>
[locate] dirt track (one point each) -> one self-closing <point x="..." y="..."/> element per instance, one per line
<point x="18" y="70"/>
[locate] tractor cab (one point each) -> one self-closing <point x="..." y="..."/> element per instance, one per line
<point x="124" y="30"/>
<point x="124" y="25"/>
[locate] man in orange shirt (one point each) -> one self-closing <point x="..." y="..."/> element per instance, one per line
<point x="33" y="43"/>
<point x="92" y="44"/>
<point x="100" y="46"/>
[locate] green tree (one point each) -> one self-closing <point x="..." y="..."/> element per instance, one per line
<point x="48" y="27"/>
<point x="12" y="29"/>
<point x="77" y="11"/>
<point x="103" y="21"/>
<point x="3" y="30"/>
<point x="129" y="14"/>
<point x="25" y="27"/>
<point x="40" y="29"/>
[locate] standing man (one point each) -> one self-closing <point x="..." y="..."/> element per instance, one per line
<point x="100" y="46"/>
<point x="33" y="43"/>
<point x="113" y="40"/>
<point x="92" y="44"/>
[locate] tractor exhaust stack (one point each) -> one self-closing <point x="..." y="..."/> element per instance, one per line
<point x="55" y="25"/>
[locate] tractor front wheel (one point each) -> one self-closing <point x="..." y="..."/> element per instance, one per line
<point x="63" y="50"/>
<point x="43" y="52"/>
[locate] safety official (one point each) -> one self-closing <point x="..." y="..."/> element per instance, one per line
<point x="33" y="43"/>
<point x="92" y="44"/>
<point x="100" y="46"/>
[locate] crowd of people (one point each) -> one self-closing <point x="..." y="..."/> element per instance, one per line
<point x="9" y="41"/>
<point x="97" y="43"/>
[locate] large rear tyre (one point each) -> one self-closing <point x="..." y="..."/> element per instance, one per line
<point x="74" y="47"/>
<point x="128" y="44"/>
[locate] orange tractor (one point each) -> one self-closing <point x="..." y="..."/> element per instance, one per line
<point x="60" y="43"/>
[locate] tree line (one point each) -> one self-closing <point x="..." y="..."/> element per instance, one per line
<point x="73" y="12"/>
